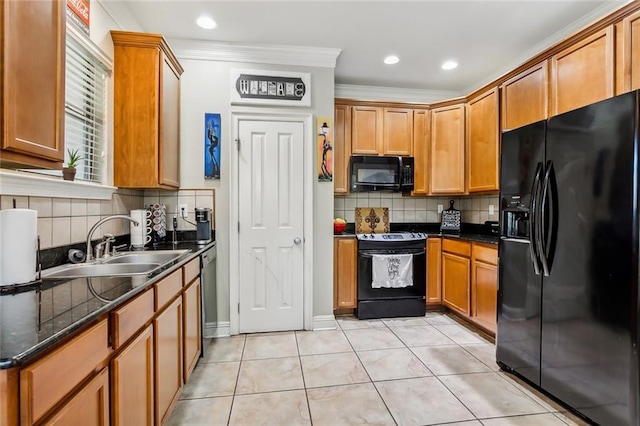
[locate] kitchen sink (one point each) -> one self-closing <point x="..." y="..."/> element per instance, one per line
<point x="160" y="256"/>
<point x="99" y="270"/>
<point x="124" y="264"/>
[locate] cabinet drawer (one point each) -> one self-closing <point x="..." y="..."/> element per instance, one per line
<point x="485" y="254"/>
<point x="462" y="248"/>
<point x="168" y="288"/>
<point x="131" y="317"/>
<point x="191" y="270"/>
<point x="44" y="383"/>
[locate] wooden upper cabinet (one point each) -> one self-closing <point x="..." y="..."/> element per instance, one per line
<point x="421" y="134"/>
<point x="146" y="112"/>
<point x="341" y="149"/>
<point x="483" y="142"/>
<point x="381" y="131"/>
<point x="397" y="131"/>
<point x="447" y="150"/>
<point x="366" y="130"/>
<point x="525" y="97"/>
<point x="345" y="263"/>
<point x="628" y="54"/>
<point x="32" y="89"/>
<point x="583" y="73"/>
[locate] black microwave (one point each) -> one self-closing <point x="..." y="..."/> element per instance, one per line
<point x="374" y="173"/>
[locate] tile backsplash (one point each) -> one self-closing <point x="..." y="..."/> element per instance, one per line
<point x="474" y="209"/>
<point x="64" y="221"/>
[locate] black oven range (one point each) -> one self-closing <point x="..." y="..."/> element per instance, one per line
<point x="392" y="269"/>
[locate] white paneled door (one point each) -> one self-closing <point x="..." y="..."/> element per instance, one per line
<point x="271" y="240"/>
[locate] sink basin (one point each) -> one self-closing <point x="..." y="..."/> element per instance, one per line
<point x="124" y="264"/>
<point x="100" y="270"/>
<point x="161" y="257"/>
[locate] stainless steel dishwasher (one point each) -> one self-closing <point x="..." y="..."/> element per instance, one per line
<point x="209" y="300"/>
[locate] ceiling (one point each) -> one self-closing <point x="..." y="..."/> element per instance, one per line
<point x="486" y="38"/>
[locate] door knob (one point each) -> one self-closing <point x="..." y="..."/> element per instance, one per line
<point x="297" y="241"/>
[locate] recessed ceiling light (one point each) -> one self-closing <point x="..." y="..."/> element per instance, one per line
<point x="206" y="22"/>
<point x="449" y="65"/>
<point x="392" y="59"/>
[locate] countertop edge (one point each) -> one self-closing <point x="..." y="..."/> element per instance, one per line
<point x="65" y="333"/>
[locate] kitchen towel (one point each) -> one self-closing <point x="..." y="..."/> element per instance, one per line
<point x="18" y="246"/>
<point x="392" y="270"/>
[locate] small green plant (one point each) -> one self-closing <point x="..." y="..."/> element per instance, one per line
<point x="74" y="158"/>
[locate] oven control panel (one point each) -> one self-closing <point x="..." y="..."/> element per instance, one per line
<point x="393" y="236"/>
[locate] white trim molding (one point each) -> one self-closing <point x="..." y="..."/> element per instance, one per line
<point x="395" y="94"/>
<point x="324" y="322"/>
<point x="30" y="184"/>
<point x="216" y="329"/>
<point x="255" y="53"/>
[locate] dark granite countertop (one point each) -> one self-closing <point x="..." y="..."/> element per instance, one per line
<point x="469" y="232"/>
<point x="33" y="319"/>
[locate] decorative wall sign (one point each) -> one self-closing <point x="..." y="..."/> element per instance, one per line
<point x="78" y="13"/>
<point x="270" y="87"/>
<point x="212" y="124"/>
<point x="324" y="134"/>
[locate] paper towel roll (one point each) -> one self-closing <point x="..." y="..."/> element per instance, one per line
<point x="138" y="232"/>
<point x="18" y="246"/>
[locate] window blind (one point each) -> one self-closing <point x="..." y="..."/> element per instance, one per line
<point x="85" y="107"/>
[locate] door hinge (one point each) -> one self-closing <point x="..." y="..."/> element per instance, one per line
<point x="238" y="144"/>
<point x="238" y="307"/>
<point x="238" y="226"/>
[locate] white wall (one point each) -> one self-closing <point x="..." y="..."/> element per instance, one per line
<point x="205" y="88"/>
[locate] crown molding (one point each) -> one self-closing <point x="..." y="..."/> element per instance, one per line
<point x="322" y="57"/>
<point x="378" y="93"/>
<point x="575" y="27"/>
<point x="120" y="14"/>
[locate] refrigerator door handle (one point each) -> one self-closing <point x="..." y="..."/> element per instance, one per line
<point x="533" y="206"/>
<point x="543" y="225"/>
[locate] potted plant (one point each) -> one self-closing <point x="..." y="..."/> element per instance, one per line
<point x="69" y="172"/>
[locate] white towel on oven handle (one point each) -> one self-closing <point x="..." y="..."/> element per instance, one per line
<point x="392" y="270"/>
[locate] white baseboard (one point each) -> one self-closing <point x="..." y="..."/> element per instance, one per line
<point x="219" y="329"/>
<point x="324" y="322"/>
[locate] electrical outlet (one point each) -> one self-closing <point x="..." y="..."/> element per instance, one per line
<point x="184" y="211"/>
<point x="491" y="209"/>
<point x="440" y="208"/>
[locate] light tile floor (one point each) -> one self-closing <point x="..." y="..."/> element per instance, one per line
<point x="402" y="371"/>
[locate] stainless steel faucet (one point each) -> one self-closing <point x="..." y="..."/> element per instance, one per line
<point x="100" y="222"/>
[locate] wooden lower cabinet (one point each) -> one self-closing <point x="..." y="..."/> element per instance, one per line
<point x="51" y="379"/>
<point x="345" y="265"/>
<point x="434" y="270"/>
<point x="455" y="282"/>
<point x="88" y="407"/>
<point x="167" y="329"/>
<point x="132" y="382"/>
<point x="192" y="331"/>
<point x="484" y="286"/>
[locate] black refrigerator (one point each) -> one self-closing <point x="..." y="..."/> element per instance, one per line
<point x="568" y="258"/>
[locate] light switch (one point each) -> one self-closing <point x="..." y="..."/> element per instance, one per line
<point x="491" y="209"/>
<point x="440" y="208"/>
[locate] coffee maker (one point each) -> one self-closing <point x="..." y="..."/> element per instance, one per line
<point x="203" y="225"/>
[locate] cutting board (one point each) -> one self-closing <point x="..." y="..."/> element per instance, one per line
<point x="450" y="219"/>
<point x="372" y="220"/>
